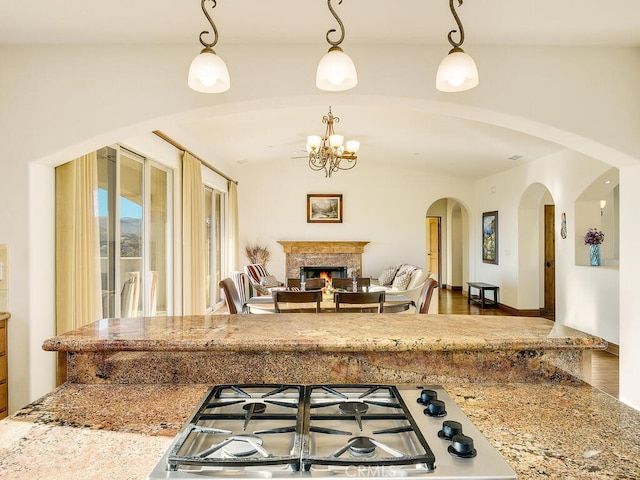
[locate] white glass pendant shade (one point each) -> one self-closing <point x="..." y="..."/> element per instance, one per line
<point x="313" y="143"/>
<point x="336" y="141"/>
<point x="208" y="73"/>
<point x="457" y="72"/>
<point x="352" y="146"/>
<point x="336" y="71"/>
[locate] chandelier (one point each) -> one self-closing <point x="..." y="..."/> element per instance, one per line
<point x="330" y="152"/>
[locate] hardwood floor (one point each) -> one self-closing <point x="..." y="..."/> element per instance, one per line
<point x="604" y="365"/>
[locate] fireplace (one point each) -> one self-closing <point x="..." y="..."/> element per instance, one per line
<point x="330" y="254"/>
<point x="329" y="271"/>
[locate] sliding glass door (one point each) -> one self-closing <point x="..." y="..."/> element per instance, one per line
<point x="134" y="203"/>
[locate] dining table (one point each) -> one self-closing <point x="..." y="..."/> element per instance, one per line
<point x="392" y="304"/>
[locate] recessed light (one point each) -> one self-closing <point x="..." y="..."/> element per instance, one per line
<point x="514" y="157"/>
<point x="607" y="182"/>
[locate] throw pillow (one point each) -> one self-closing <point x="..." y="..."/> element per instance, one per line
<point x="261" y="289"/>
<point x="269" y="281"/>
<point x="406" y="268"/>
<point x="403" y="276"/>
<point x="387" y="276"/>
<point x="401" y="281"/>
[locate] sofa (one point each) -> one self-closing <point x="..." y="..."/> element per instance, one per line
<point x="404" y="279"/>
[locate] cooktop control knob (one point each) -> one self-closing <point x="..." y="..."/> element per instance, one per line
<point x="450" y="428"/>
<point x="462" y="446"/>
<point x="426" y="396"/>
<point x="435" y="408"/>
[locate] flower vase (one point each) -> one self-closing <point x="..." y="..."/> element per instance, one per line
<point x="594" y="255"/>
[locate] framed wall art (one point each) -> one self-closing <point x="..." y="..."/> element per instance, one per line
<point x="324" y="208"/>
<point x="490" y="237"/>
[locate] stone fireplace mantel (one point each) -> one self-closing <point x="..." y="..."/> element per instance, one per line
<point x="315" y="253"/>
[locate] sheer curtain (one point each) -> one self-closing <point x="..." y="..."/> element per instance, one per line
<point x="234" y="248"/>
<point x="193" y="238"/>
<point x="78" y="286"/>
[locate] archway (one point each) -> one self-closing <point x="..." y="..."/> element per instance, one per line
<point x="453" y="240"/>
<point x="536" y="251"/>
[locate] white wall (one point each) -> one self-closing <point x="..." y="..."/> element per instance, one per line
<point x="585" y="296"/>
<point x="385" y="205"/>
<point x="62" y="101"/>
<point x="629" y="298"/>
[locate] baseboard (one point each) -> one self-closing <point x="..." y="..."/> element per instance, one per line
<point x="613" y="349"/>
<point x="519" y="313"/>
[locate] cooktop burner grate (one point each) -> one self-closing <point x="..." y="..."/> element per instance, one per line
<point x="332" y="431"/>
<point x="380" y="429"/>
<point x="231" y="428"/>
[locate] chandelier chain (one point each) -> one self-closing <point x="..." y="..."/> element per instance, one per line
<point x="333" y="12"/>
<point x="459" y="23"/>
<point x="213" y="25"/>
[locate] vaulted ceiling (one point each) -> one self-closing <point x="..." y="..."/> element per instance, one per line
<point x="281" y="132"/>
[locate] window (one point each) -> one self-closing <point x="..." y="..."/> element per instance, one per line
<point x="134" y="205"/>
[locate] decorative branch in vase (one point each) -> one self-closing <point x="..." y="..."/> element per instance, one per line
<point x="257" y="253"/>
<point x="594" y="238"/>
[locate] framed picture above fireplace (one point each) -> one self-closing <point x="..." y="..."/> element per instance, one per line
<point x="324" y="208"/>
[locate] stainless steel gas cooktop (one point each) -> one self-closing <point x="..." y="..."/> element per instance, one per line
<point x="322" y="431"/>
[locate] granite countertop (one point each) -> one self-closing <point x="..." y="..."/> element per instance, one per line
<point x="5" y="315"/>
<point x="338" y="333"/>
<point x="544" y="431"/>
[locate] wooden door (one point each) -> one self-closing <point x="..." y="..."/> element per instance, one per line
<point x="433" y="253"/>
<point x="549" y="260"/>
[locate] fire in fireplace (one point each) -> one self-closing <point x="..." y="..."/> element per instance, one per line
<point x="329" y="272"/>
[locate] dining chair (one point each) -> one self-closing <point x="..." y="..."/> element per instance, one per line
<point x="309" y="298"/>
<point x="243" y="285"/>
<point x="232" y="297"/>
<point x="347" y="283"/>
<point x="309" y="283"/>
<point x="129" y="296"/>
<point x="362" y="299"/>
<point x="425" y="295"/>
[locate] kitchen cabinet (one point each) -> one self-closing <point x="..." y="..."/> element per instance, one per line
<point x="4" y="393"/>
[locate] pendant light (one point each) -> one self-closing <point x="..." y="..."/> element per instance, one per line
<point x="336" y="71"/>
<point x="208" y="73"/>
<point x="457" y="71"/>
